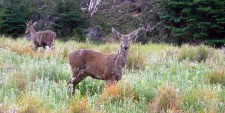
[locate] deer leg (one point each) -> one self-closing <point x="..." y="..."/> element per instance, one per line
<point x="50" y="45"/>
<point x="76" y="78"/>
<point x="36" y="45"/>
<point x="109" y="83"/>
<point x="46" y="48"/>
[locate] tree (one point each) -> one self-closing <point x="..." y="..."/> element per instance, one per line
<point x="191" y="20"/>
<point x="68" y="18"/>
<point x="12" y="19"/>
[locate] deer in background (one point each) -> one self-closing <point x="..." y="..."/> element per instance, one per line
<point x="98" y="65"/>
<point x="43" y="39"/>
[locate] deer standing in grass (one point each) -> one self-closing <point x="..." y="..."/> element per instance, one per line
<point x="43" y="39"/>
<point x="98" y="65"/>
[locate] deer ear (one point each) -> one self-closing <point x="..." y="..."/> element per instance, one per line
<point x="115" y="33"/>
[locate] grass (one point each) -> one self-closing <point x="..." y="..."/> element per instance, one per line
<point x="166" y="100"/>
<point x="217" y="76"/>
<point x="199" y="53"/>
<point x="157" y="78"/>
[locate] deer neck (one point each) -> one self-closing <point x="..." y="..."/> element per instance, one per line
<point x="33" y="33"/>
<point x="121" y="58"/>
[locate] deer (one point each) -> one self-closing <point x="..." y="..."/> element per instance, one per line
<point x="43" y="39"/>
<point x="102" y="66"/>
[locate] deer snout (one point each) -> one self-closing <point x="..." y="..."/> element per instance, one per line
<point x="126" y="47"/>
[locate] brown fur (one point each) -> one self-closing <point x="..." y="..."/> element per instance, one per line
<point x="98" y="65"/>
<point x="41" y="38"/>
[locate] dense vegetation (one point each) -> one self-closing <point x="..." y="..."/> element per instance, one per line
<point x="176" y="21"/>
<point x="191" y="20"/>
<point x="61" y="16"/>
<point x="158" y="78"/>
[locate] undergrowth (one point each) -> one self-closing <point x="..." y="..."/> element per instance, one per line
<point x="37" y="81"/>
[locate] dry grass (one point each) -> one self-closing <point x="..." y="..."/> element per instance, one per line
<point x="205" y="99"/>
<point x="166" y="100"/>
<point x="216" y="76"/>
<point x="28" y="103"/>
<point x="198" y="53"/>
<point x="17" y="81"/>
<point x="79" y="105"/>
<point x="136" y="61"/>
<point x="117" y="92"/>
<point x="22" y="49"/>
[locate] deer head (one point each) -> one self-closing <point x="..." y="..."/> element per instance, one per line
<point x="125" y="39"/>
<point x="29" y="25"/>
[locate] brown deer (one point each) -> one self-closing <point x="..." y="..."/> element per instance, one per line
<point x="98" y="65"/>
<point x="42" y="38"/>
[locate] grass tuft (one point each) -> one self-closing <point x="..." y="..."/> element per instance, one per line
<point x="217" y="76"/>
<point x="78" y="105"/>
<point x="198" y="53"/>
<point x="17" y="81"/>
<point x="118" y="92"/>
<point x="204" y="99"/>
<point x="136" y="60"/>
<point x="21" y="50"/>
<point x="28" y="103"/>
<point x="166" y="100"/>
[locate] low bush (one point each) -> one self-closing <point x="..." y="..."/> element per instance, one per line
<point x="90" y="86"/>
<point x="117" y="92"/>
<point x="16" y="81"/>
<point x="28" y="103"/>
<point x="204" y="99"/>
<point x="167" y="99"/>
<point x="78" y="105"/>
<point x="217" y="76"/>
<point x="198" y="53"/>
<point x="136" y="60"/>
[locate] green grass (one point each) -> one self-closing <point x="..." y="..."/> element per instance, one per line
<point x="158" y="77"/>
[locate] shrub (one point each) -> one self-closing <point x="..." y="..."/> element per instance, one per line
<point x="21" y="50"/>
<point x="146" y="93"/>
<point x="204" y="99"/>
<point x="28" y="103"/>
<point x="53" y="69"/>
<point x="166" y="100"/>
<point x="90" y="86"/>
<point x="193" y="20"/>
<point x="136" y="60"/>
<point x="198" y="53"/>
<point x="217" y="76"/>
<point x="78" y="105"/>
<point x="215" y="42"/>
<point x="117" y="92"/>
<point x="16" y="81"/>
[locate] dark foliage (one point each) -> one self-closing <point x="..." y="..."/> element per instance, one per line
<point x="192" y="20"/>
<point x="63" y="17"/>
<point x="12" y="18"/>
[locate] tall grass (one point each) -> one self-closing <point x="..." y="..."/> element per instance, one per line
<point x="199" y="53"/>
<point x="37" y="81"/>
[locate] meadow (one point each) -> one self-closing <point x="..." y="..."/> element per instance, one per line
<point x="158" y="78"/>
